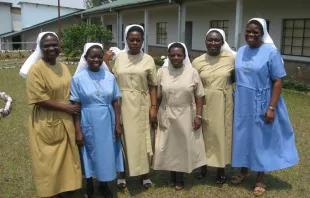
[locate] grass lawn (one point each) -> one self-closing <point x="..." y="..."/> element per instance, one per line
<point x="16" y="174"/>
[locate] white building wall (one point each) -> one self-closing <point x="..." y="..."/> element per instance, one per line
<point x="5" y="17"/>
<point x="16" y="20"/>
<point x="35" y="13"/>
<point x="31" y="35"/>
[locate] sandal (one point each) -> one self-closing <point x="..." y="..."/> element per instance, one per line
<point x="201" y="172"/>
<point x="147" y="183"/>
<point x="259" y="189"/>
<point x="179" y="185"/>
<point x="237" y="179"/>
<point x="220" y="179"/>
<point x="121" y="183"/>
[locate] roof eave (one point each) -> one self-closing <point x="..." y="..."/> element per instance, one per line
<point x="118" y="8"/>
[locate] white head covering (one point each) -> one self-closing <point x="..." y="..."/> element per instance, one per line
<point x="116" y="50"/>
<point x="225" y="47"/>
<point x="186" y="61"/>
<point x="35" y="56"/>
<point x="266" y="38"/>
<point x="83" y="63"/>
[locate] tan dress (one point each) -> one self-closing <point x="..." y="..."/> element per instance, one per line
<point x="178" y="147"/>
<point x="216" y="76"/>
<point x="55" y="156"/>
<point x="134" y="74"/>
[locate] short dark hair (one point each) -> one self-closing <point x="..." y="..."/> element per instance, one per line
<point x="136" y="29"/>
<point x="255" y="22"/>
<point x="92" y="47"/>
<point x="177" y="45"/>
<point x="45" y="36"/>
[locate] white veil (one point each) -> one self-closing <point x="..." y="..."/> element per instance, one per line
<point x="186" y="61"/>
<point x="83" y="63"/>
<point x="35" y="56"/>
<point x="116" y="50"/>
<point x="266" y="38"/>
<point x="225" y="47"/>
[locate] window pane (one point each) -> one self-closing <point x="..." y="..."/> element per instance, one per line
<point x="307" y="32"/>
<point x="307" y="42"/>
<point x="220" y="24"/>
<point x="308" y="23"/>
<point x="298" y="33"/>
<point x="296" y="51"/>
<point x="306" y="52"/>
<point x="286" y="49"/>
<point x="297" y="42"/>
<point x="226" y="24"/>
<point x="287" y="41"/>
<point x="299" y="23"/>
<point x="288" y="33"/>
<point x="289" y="23"/>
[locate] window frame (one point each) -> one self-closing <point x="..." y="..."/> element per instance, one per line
<point x="222" y="27"/>
<point x="162" y="35"/>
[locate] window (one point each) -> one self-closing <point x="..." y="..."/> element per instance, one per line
<point x="161" y="33"/>
<point x="296" y="37"/>
<point x="109" y="27"/>
<point x="220" y="24"/>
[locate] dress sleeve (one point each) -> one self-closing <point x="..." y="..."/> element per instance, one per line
<point x="152" y="75"/>
<point x="74" y="90"/>
<point x="116" y="92"/>
<point x="159" y="88"/>
<point x="276" y="66"/>
<point x="37" y="90"/>
<point x="199" y="91"/>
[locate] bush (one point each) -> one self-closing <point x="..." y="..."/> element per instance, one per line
<point x="158" y="61"/>
<point x="296" y="85"/>
<point x="75" y="37"/>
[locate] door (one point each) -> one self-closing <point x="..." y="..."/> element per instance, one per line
<point x="188" y="34"/>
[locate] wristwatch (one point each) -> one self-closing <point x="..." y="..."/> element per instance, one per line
<point x="271" y="108"/>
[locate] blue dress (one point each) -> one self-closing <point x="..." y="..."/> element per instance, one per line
<point x="256" y="145"/>
<point x="101" y="154"/>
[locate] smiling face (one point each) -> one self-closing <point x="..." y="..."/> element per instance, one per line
<point x="134" y="41"/>
<point x="50" y="48"/>
<point x="214" y="42"/>
<point x="253" y="35"/>
<point x="176" y="56"/>
<point x="94" y="58"/>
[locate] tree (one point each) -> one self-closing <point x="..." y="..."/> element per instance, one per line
<point x="75" y="37"/>
<point x="92" y="3"/>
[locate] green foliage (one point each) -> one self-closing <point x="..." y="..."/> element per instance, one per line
<point x="75" y="36"/>
<point x="294" y="84"/>
<point x="158" y="61"/>
<point x="92" y="3"/>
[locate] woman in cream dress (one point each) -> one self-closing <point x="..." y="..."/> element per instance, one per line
<point x="179" y="146"/>
<point x="216" y="69"/>
<point x="136" y="76"/>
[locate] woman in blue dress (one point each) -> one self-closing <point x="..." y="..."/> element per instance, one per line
<point x="263" y="138"/>
<point x="98" y="127"/>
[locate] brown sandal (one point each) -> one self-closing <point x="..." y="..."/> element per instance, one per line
<point x="259" y="189"/>
<point x="237" y="179"/>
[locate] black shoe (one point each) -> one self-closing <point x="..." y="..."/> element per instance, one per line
<point x="201" y="172"/>
<point x="220" y="179"/>
<point x="105" y="190"/>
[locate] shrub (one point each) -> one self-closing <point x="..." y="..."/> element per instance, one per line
<point x="75" y="36"/>
<point x="158" y="61"/>
<point x="293" y="84"/>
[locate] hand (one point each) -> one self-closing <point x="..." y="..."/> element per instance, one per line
<point x="118" y="131"/>
<point x="79" y="138"/>
<point x="108" y="56"/>
<point x="196" y="124"/>
<point x="73" y="108"/>
<point x="269" y="116"/>
<point x="153" y="117"/>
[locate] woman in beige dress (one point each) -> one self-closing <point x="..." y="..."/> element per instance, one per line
<point x="136" y="75"/>
<point x="55" y="155"/>
<point x="216" y="69"/>
<point x="179" y="146"/>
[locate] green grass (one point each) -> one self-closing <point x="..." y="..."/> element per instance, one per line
<point x="15" y="164"/>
